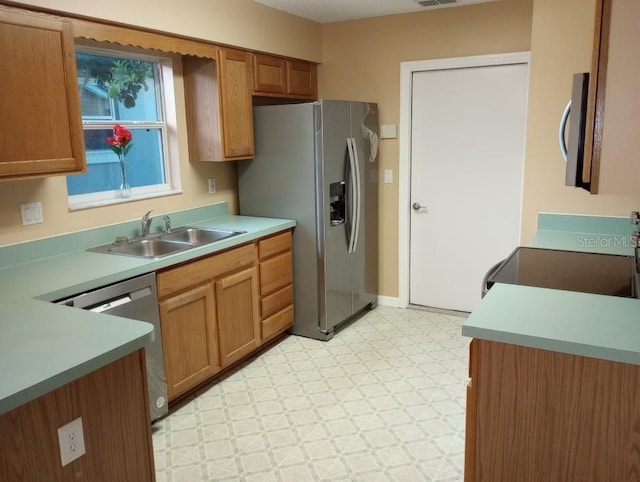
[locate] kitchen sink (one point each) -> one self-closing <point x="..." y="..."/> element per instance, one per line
<point x="198" y="236"/>
<point x="143" y="248"/>
<point x="164" y="244"/>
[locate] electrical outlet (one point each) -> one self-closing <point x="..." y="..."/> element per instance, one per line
<point x="212" y="185"/>
<point x="71" y="439"/>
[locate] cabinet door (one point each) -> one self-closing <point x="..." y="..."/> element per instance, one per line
<point x="202" y="108"/>
<point x="238" y="318"/>
<point x="543" y="415"/>
<point x="189" y="338"/>
<point x="301" y="78"/>
<point x="615" y="165"/>
<point x="269" y="74"/>
<point x="471" y="419"/>
<point x="235" y="103"/>
<point x="40" y="108"/>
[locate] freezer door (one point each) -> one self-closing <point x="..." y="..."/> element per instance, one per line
<point x="332" y="131"/>
<point x="364" y="259"/>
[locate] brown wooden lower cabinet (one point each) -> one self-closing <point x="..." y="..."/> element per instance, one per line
<point x="113" y="404"/>
<point x="189" y="337"/>
<point x="538" y="415"/>
<point x="212" y="309"/>
<point x="276" y="284"/>
<point x="238" y="315"/>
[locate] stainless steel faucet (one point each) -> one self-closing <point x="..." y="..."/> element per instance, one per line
<point x="167" y="223"/>
<point x="146" y="223"/>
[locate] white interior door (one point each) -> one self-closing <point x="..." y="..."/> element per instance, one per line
<point x="466" y="155"/>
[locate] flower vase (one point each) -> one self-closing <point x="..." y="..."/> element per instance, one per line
<point x="125" y="189"/>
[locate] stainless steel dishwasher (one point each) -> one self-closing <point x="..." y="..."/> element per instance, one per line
<point x="136" y="299"/>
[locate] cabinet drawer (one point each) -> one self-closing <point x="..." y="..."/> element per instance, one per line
<point x="277" y="323"/>
<point x="181" y="277"/>
<point x="275" y="244"/>
<point x="276" y="301"/>
<point x="275" y="273"/>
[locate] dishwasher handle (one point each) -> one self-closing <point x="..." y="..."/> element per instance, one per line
<point x="111" y="304"/>
<point x="101" y="301"/>
<point x="105" y="305"/>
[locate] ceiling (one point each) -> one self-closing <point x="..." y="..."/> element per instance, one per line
<point x="325" y="11"/>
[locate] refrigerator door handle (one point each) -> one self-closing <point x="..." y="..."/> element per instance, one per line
<point x="353" y="169"/>
<point x="356" y="228"/>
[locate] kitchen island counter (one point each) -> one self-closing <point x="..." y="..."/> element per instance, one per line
<point x="598" y="326"/>
<point x="555" y="374"/>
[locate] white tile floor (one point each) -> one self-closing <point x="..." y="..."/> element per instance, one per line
<point x="384" y="400"/>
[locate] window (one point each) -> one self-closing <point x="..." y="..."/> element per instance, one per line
<point x="130" y="90"/>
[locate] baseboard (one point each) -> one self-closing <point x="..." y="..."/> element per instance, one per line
<point x="392" y="301"/>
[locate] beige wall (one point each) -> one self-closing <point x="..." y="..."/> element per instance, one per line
<point x="561" y="44"/>
<point x="236" y="22"/>
<point x="361" y="61"/>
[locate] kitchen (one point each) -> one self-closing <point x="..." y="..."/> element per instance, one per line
<point x="491" y="28"/>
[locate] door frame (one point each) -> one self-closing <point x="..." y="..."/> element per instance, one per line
<point x="407" y="69"/>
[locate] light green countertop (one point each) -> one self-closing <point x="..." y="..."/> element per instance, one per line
<point x="606" y="327"/>
<point x="43" y="346"/>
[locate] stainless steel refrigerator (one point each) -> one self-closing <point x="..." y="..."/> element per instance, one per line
<point x="317" y="163"/>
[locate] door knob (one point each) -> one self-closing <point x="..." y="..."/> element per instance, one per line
<point x="418" y="207"/>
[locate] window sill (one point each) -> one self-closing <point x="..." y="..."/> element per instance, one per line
<point x="111" y="201"/>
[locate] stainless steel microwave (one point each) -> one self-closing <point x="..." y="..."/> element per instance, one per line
<point x="573" y="149"/>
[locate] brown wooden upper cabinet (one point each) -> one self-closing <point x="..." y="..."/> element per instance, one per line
<point x="218" y="104"/>
<point x="612" y="139"/>
<point x="280" y="77"/>
<point x="40" y="109"/>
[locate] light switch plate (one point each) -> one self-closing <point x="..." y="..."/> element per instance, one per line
<point x="388" y="131"/>
<point x="388" y="176"/>
<point x="31" y="213"/>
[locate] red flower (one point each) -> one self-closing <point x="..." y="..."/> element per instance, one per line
<point x="120" y="142"/>
<point x="123" y="134"/>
